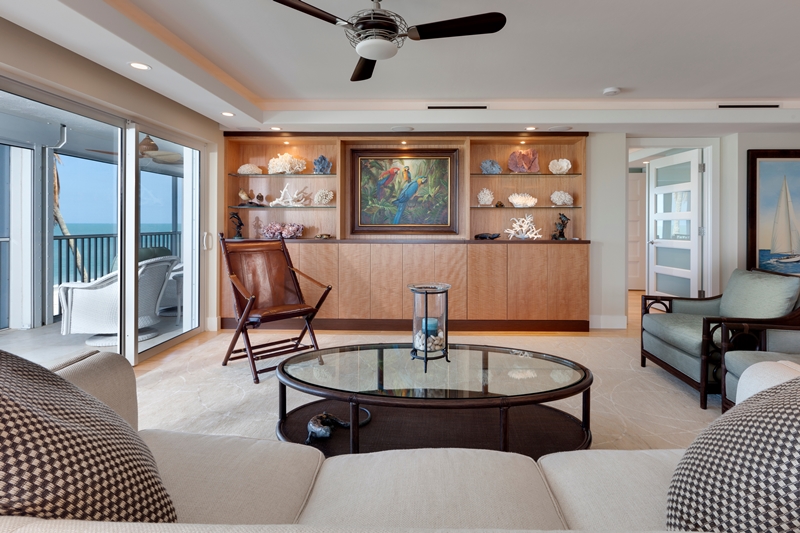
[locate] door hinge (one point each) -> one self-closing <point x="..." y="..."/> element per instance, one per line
<point x="701" y="231"/>
<point x="701" y="167"/>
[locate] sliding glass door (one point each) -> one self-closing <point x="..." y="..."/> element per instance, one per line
<point x="5" y="219"/>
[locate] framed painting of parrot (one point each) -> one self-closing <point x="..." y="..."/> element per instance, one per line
<point x="404" y="191"/>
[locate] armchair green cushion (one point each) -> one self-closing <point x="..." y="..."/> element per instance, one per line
<point x="678" y="329"/>
<point x="753" y="294"/>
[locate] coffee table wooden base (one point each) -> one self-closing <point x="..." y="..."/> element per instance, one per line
<point x="533" y="430"/>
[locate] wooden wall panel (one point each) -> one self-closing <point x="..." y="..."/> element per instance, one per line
<point x="386" y="298"/>
<point x="418" y="267"/>
<point x="451" y="267"/>
<point x="527" y="282"/>
<point x="487" y="281"/>
<point x="568" y="282"/>
<point x="354" y="280"/>
<point x="321" y="262"/>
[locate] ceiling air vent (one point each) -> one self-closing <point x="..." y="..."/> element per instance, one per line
<point x="748" y="106"/>
<point x="458" y="107"/>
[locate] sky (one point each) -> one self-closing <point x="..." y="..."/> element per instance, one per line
<point x="771" y="173"/>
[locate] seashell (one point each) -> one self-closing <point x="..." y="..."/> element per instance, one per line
<point x="286" y="164"/>
<point x="249" y="169"/>
<point x="499" y="204"/>
<point x="322" y="165"/>
<point x="260" y="197"/>
<point x="485" y="197"/>
<point x="522" y="200"/>
<point x="323" y="197"/>
<point x="524" y="161"/>
<point x="561" y="198"/>
<point x="560" y="166"/>
<point x="244" y="195"/>
<point x="490" y="166"/>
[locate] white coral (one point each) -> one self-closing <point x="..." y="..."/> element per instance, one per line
<point x="561" y="198"/>
<point x="287" y="199"/>
<point x="323" y="197"/>
<point x="560" y="166"/>
<point x="485" y="197"/>
<point x="286" y="164"/>
<point x="523" y="228"/>
<point x="249" y="169"/>
<point x="522" y="200"/>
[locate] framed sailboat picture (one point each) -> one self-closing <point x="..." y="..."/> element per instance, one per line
<point x="773" y="229"/>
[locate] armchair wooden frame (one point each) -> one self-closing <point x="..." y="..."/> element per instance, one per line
<point x="250" y="313"/>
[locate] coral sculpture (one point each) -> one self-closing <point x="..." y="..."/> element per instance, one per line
<point x="490" y="166"/>
<point x="249" y="169"/>
<point x="323" y="197"/>
<point x="524" y="161"/>
<point x="560" y="166"/>
<point x="286" y="164"/>
<point x="322" y="165"/>
<point x="273" y="230"/>
<point x="287" y="199"/>
<point x="522" y="200"/>
<point x="485" y="197"/>
<point x="523" y="228"/>
<point x="561" y="198"/>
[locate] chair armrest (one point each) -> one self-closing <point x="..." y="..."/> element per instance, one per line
<point x="750" y="334"/>
<point x="309" y="278"/>
<point x="240" y="287"/>
<point x="664" y="302"/>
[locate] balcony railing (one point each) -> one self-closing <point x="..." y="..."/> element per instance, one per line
<point x="96" y="253"/>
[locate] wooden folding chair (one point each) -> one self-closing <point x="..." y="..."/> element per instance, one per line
<point x="265" y="289"/>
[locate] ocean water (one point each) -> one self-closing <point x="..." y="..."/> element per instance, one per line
<point x="767" y="261"/>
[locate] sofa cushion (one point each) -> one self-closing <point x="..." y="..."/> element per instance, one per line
<point x="753" y="294"/>
<point x="67" y="455"/>
<point x="742" y="472"/>
<point x="432" y="488"/>
<point x="763" y="375"/>
<point x="234" y="480"/>
<point x="680" y="330"/>
<point x="738" y="361"/>
<point x="617" y="490"/>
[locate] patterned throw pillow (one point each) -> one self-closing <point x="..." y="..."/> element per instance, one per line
<point x="65" y="454"/>
<point x="742" y="473"/>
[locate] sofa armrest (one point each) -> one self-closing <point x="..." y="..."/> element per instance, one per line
<point x="108" y="377"/>
<point x="764" y="375"/>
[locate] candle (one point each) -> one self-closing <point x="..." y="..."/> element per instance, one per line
<point x="430" y="326"/>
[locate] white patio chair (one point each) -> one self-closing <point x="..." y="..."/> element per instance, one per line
<point x="93" y="307"/>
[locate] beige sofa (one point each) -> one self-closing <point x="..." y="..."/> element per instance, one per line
<point x="269" y="486"/>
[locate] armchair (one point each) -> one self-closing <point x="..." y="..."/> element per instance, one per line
<point x="746" y="343"/>
<point x="94" y="307"/>
<point x="686" y="338"/>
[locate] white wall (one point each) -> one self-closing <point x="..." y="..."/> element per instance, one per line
<point x="606" y="227"/>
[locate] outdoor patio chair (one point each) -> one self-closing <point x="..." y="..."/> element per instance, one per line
<point x="265" y="289"/>
<point x="93" y="307"/>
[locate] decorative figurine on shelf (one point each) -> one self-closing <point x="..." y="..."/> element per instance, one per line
<point x="249" y="169"/>
<point x="246" y="199"/>
<point x="526" y="161"/>
<point x="286" y="164"/>
<point x="287" y="199"/>
<point x="522" y="200"/>
<point x="561" y="198"/>
<point x="499" y="204"/>
<point x="322" y="165"/>
<point x="258" y="226"/>
<point x="323" y="197"/>
<point x="238" y="223"/>
<point x="487" y="236"/>
<point x="320" y="426"/>
<point x="490" y="166"/>
<point x="260" y="197"/>
<point x="485" y="197"/>
<point x="523" y="228"/>
<point x="560" y="166"/>
<point x="561" y="225"/>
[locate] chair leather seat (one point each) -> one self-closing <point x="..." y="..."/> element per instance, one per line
<point x="291" y="310"/>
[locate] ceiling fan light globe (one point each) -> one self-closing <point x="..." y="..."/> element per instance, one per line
<point x="376" y="49"/>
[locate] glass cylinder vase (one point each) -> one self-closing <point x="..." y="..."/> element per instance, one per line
<point x="429" y="327"/>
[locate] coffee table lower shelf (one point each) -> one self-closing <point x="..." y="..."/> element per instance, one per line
<point x="534" y="430"/>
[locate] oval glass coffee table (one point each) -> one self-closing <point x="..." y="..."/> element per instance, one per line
<point x="485" y="397"/>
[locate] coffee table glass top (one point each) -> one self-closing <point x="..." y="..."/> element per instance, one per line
<point x="473" y="372"/>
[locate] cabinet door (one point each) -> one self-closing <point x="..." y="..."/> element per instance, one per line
<point x="528" y="286"/>
<point x="418" y="267"/>
<point x="386" y="298"/>
<point x="354" y="281"/>
<point x="451" y="267"/>
<point x="568" y="281"/>
<point x="321" y="262"/>
<point x="487" y="281"/>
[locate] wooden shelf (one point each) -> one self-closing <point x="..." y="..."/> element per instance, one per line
<point x="528" y="174"/>
<point x="282" y="207"/>
<point x="310" y="175"/>
<point x="532" y="207"/>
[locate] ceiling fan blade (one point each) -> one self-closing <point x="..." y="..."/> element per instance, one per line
<point x="473" y="25"/>
<point x="101" y="151"/>
<point x="308" y="9"/>
<point x="363" y="70"/>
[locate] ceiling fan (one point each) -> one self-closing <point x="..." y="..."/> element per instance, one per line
<point x="378" y="33"/>
<point x="148" y="150"/>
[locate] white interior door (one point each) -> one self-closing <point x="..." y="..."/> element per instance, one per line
<point x="674" y="240"/>
<point x="637" y="231"/>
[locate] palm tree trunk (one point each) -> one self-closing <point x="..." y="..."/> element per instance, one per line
<point x="63" y="224"/>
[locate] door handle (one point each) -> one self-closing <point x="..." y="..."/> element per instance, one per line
<point x="205" y="235"/>
<point x="651" y="242"/>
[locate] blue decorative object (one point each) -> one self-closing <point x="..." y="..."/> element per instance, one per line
<point x="322" y="165"/>
<point x="490" y="166"/>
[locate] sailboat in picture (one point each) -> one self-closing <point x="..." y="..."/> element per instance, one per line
<point x="785" y="236"/>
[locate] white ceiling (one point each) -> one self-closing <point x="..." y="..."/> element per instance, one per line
<point x="675" y="61"/>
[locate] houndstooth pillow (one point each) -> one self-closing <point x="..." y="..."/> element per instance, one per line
<point x="742" y="473"/>
<point x="65" y="454"/>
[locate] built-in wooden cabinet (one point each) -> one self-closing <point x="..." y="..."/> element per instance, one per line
<point x="497" y="285"/>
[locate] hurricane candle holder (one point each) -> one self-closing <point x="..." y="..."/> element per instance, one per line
<point x="430" y="322"/>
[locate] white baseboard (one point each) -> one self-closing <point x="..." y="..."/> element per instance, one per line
<point x="608" y="321"/>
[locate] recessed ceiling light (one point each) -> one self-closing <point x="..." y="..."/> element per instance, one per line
<point x="402" y="128"/>
<point x="139" y="66"/>
<point x="228" y="114"/>
<point x="530" y="128"/>
<point x="611" y="91"/>
<point x="285" y="142"/>
<point x="646" y="162"/>
<point x="275" y="128"/>
<point x="559" y="128"/>
<point x="522" y="142"/>
<point x="403" y="142"/>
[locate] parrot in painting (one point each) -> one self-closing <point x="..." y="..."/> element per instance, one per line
<point x="407" y="193"/>
<point x="386" y="179"/>
<point x="406" y="176"/>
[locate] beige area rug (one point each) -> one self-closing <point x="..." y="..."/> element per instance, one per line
<point x="631" y="407"/>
